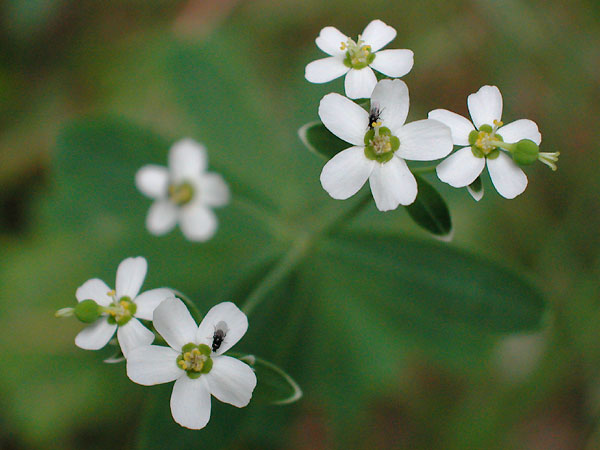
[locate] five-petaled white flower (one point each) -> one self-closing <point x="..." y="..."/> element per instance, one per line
<point x="183" y="193"/>
<point x="381" y="142"/>
<point x="120" y="308"/>
<point x="355" y="59"/>
<point x="195" y="360"/>
<point x="484" y="142"/>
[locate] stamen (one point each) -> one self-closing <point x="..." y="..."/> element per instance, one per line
<point x="549" y="159"/>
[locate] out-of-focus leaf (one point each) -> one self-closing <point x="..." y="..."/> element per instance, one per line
<point x="319" y="140"/>
<point x="430" y="211"/>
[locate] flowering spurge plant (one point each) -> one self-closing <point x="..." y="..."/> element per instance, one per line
<point x="183" y="193"/>
<point x="487" y="141"/>
<point x="381" y="142"/>
<point x="357" y="59"/>
<point x="109" y="310"/>
<point x="195" y="360"/>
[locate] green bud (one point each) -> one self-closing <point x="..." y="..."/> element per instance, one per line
<point x="525" y="152"/>
<point x="87" y="311"/>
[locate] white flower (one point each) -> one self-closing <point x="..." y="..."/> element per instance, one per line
<point x="381" y="142"/>
<point x="195" y="360"/>
<point x="355" y="59"/>
<point x="120" y="308"/>
<point x="483" y="142"/>
<point x="184" y="192"/>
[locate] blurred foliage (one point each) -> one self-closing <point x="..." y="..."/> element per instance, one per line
<point x="143" y="74"/>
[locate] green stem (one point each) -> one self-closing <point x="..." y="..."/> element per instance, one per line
<point x="276" y="274"/>
<point x="420" y="170"/>
<point x="504" y="145"/>
<point x="297" y="253"/>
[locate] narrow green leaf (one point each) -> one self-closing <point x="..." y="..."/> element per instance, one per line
<point x="274" y="384"/>
<point x="476" y="189"/>
<point x="320" y="140"/>
<point x="430" y="211"/>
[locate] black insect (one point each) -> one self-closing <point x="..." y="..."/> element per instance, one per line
<point x="219" y="336"/>
<point x="374" y="116"/>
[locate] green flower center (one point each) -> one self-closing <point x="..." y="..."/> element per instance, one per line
<point x="485" y="141"/>
<point x="120" y="311"/>
<point x="380" y="144"/>
<point x="358" y="54"/>
<point x="195" y="360"/>
<point x="182" y="193"/>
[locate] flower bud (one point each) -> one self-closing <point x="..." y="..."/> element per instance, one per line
<point x="525" y="152"/>
<point x="87" y="311"/>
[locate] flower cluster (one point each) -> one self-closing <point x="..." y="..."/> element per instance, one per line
<point x="382" y="142"/>
<point x="194" y="358"/>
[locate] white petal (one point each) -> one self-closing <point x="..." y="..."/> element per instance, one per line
<point x="485" y="106"/>
<point x="133" y="334"/>
<point x="461" y="168"/>
<point x="152" y="364"/>
<point x="162" y="217"/>
<point x="393" y="63"/>
<point x="197" y="222"/>
<point x="234" y="319"/>
<point x="174" y="323"/>
<point x="187" y="159"/>
<point x="359" y="83"/>
<point x="213" y="190"/>
<point x="377" y="34"/>
<point x="190" y="402"/>
<point x="148" y="301"/>
<point x="231" y="381"/>
<point x="459" y="126"/>
<point x="508" y="178"/>
<point x="520" y="129"/>
<point x="130" y="276"/>
<point x="94" y="289"/>
<point x="152" y="181"/>
<point x="390" y="100"/>
<point x="324" y="70"/>
<point x="392" y="184"/>
<point x="424" y="140"/>
<point x="344" y="118"/>
<point x="330" y="40"/>
<point x="96" y="335"/>
<point x="346" y="172"/>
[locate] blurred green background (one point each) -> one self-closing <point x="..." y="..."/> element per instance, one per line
<point x="79" y="80"/>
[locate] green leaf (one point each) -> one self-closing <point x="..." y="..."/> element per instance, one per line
<point x="429" y="210"/>
<point x="319" y="140"/>
<point x="476" y="189"/>
<point x="274" y="385"/>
